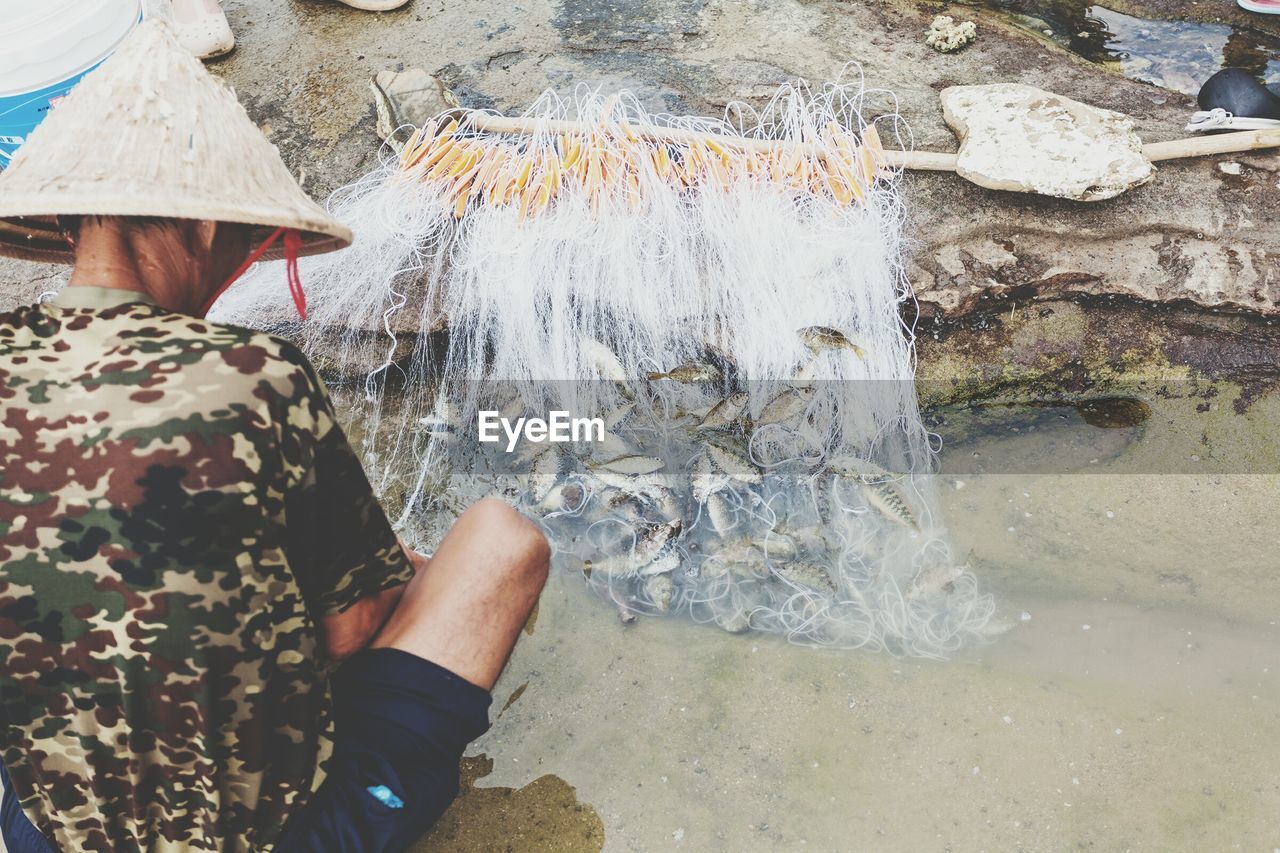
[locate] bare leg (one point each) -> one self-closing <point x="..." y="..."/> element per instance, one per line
<point x="466" y="610"/>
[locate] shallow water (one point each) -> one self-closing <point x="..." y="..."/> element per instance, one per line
<point x="1129" y="707"/>
<point x="1178" y="55"/>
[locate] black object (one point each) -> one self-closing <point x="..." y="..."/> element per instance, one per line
<point x="1239" y="93"/>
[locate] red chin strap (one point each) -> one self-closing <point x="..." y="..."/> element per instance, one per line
<point x="292" y="248"/>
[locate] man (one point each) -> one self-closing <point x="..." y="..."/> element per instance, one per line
<point x="187" y="541"/>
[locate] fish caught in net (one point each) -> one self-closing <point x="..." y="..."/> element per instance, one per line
<point x="721" y="299"/>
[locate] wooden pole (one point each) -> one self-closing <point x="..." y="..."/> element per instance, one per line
<point x="1223" y="143"/>
<point x="936" y="161"/>
<point x="931" y="160"/>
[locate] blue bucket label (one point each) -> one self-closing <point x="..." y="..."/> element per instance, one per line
<point x="19" y="114"/>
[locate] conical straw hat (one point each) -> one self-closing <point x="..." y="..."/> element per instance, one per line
<point x="150" y="132"/>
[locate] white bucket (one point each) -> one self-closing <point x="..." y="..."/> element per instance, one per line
<point x="46" y="46"/>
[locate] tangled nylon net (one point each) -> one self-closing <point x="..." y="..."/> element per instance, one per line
<point x="731" y="316"/>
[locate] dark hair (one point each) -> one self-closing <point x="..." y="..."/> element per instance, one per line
<point x="71" y="224"/>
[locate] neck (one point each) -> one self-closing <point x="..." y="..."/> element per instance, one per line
<point x="121" y="258"/>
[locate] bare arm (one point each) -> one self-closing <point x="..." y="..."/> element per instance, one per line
<point x="354" y="628"/>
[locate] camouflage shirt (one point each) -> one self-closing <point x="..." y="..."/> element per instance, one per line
<point x="178" y="508"/>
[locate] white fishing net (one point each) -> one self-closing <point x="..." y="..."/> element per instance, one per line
<point x="738" y="332"/>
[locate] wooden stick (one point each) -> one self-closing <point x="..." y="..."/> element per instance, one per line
<point x="1225" y="143"/>
<point x="931" y="160"/>
<point x="935" y="161"/>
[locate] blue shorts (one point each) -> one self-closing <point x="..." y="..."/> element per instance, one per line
<point x="402" y="724"/>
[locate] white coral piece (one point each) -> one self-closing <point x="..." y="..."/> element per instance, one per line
<point x="946" y="36"/>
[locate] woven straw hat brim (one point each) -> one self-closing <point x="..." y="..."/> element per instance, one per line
<point x="39" y="239"/>
<point x="152" y="133"/>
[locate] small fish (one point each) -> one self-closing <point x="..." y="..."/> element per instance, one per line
<point x="822" y="501"/>
<point x="443" y="419"/>
<point x="601" y="477"/>
<point x="854" y="468"/>
<point x="435" y="425"/>
<point x="807" y="574"/>
<point x="787" y="406"/>
<point x="716" y="356"/>
<point x="603" y="360"/>
<point x="734" y="465"/>
<point x="634" y="465"/>
<point x="664" y="500"/>
<point x="628" y="508"/>
<point x="544" y="473"/>
<point x="810" y="538"/>
<point x="721" y="516"/>
<point x="610" y="498"/>
<point x="889" y="501"/>
<point x="525" y="453"/>
<point x="654" y="552"/>
<point x="664" y="564"/>
<point x="661" y="590"/>
<point x="778" y="547"/>
<point x="647" y="491"/>
<point x="820" y="339"/>
<point x="705" y="480"/>
<point x="694" y="414"/>
<point x="669" y="507"/>
<point x="737" y="558"/>
<point x="726" y="412"/>
<point x="550" y="460"/>
<point x="618" y="415"/>
<point x="650" y="545"/>
<point x="689" y="372"/>
<point x="563" y="497"/>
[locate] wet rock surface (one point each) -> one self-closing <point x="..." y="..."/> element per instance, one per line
<point x="1092" y="344"/>
<point x="1206" y="381"/>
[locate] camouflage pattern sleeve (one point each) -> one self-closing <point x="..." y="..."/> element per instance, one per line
<point x="339" y="541"/>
